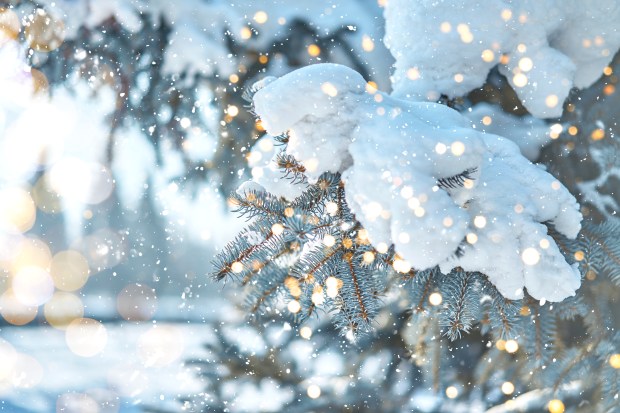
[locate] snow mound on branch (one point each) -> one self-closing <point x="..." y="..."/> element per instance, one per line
<point x="393" y="156"/>
<point x="543" y="47"/>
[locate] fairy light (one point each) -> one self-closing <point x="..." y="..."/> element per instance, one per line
<point x="506" y="14"/>
<point x="401" y="266"/>
<point x="526" y="64"/>
<point x="62" y="309"/>
<point x="544" y="243"/>
<point x="556" y="406"/>
<point x="413" y="73"/>
<point x="382" y="248"/>
<point x="579" y="255"/>
<point x="597" y="134"/>
<point x="293" y="286"/>
<point x="512" y="346"/>
<point x="367" y="44"/>
<point x="435" y="299"/>
<point x="573" y="130"/>
<point x="232" y="110"/>
<point x="487" y="120"/>
<point x="317" y="296"/>
<point x="260" y="17"/>
<point x="457" y="148"/>
<point x="404" y="238"/>
<point x="314" y="391"/>
<point x="480" y="221"/>
<point x="500" y="345"/>
<point x="508" y="388"/>
<point x="314" y="50"/>
<point x="329" y="89"/>
<point x="447" y="222"/>
<point x="69" y="270"/>
<point x="556" y="185"/>
<point x="368" y="257"/>
<point x="608" y="71"/>
<point x="519" y="80"/>
<point x="294" y="306"/>
<point x="471" y="238"/>
<point x="236" y="267"/>
<point x="458" y="78"/>
<point x="17" y="210"/>
<point x="331" y="208"/>
<point x="445" y="27"/>
<point x="246" y="33"/>
<point x="530" y="256"/>
<point x="305" y="332"/>
<point x="551" y="101"/>
<point x="441" y="148"/>
<point x="614" y="361"/>
<point x="452" y="392"/>
<point x="277" y="229"/>
<point x="487" y="55"/>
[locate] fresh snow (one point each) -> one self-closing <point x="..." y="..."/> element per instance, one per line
<point x="543" y="47"/>
<point x="391" y="154"/>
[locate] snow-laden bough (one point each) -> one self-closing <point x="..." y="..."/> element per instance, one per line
<point x="418" y="176"/>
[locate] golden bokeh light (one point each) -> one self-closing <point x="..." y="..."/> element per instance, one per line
<point x="44" y="32"/>
<point x="314" y="391"/>
<point x="45" y="198"/>
<point x="556" y="406"/>
<point x="512" y="346"/>
<point x="9" y="24"/>
<point x="69" y="270"/>
<point x="614" y="361"/>
<point x="137" y="302"/>
<point x="86" y="337"/>
<point x="305" y="332"/>
<point x="530" y="256"/>
<point x="14" y="311"/>
<point x="435" y="298"/>
<point x="62" y="309"/>
<point x="17" y="210"/>
<point x="508" y="388"/>
<point x="452" y="392"/>
<point x="314" y="50"/>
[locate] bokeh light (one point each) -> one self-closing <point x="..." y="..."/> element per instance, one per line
<point x="44" y="32"/>
<point x="62" y="309"/>
<point x="14" y="311"/>
<point x="137" y="302"/>
<point x="17" y="210"/>
<point x="160" y="345"/>
<point x="33" y="286"/>
<point x="86" y="337"/>
<point x="69" y="270"/>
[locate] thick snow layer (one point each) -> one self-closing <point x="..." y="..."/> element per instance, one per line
<point x="544" y="47"/>
<point x="392" y="153"/>
<point x="528" y="132"/>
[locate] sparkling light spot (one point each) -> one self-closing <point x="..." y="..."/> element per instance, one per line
<point x="555" y="130"/>
<point x="367" y="44"/>
<point x="521" y="48"/>
<point x="435" y="298"/>
<point x="471" y="238"/>
<point x="314" y="391"/>
<point x="136" y="302"/>
<point x="487" y="120"/>
<point x="331" y="208"/>
<point x="506" y="14"/>
<point x="480" y="221"/>
<point x="406" y="192"/>
<point x="445" y="27"/>
<point x="555" y="185"/>
<point x="440" y="148"/>
<point x="452" y="392"/>
<point x="447" y="222"/>
<point x="597" y="134"/>
<point x="608" y="71"/>
<point x="246" y="33"/>
<point x="508" y="388"/>
<point x="501" y="345"/>
<point x="318" y="298"/>
<point x="403" y="238"/>
<point x="314" y="50"/>
<point x="413" y="73"/>
<point x="458" y="78"/>
<point x="232" y="110"/>
<point x="512" y="346"/>
<point x="236" y="267"/>
<point x="530" y="256"/>
<point x="329" y="89"/>
<point x="260" y="17"/>
<point x="62" y="309"/>
<point x="294" y="306"/>
<point x="526" y="64"/>
<point x="305" y="332"/>
<point x="519" y="208"/>
<point x="519" y="80"/>
<point x="544" y="243"/>
<point x="368" y="257"/>
<point x="488" y="55"/>
<point x="419" y="211"/>
<point x="401" y="266"/>
<point x="277" y="229"/>
<point x="579" y="255"/>
<point x="185" y="123"/>
<point x="15" y="312"/>
<point x="468" y="183"/>
<point x="551" y="101"/>
<point x="556" y="406"/>
<point x="457" y="148"/>
<point x="86" y="337"/>
<point x="609" y="90"/>
<point x="614" y="361"/>
<point x="382" y="248"/>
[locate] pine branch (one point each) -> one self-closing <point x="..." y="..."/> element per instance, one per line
<point x="458" y="180"/>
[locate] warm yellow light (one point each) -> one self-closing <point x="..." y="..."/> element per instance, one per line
<point x="329" y="89"/>
<point x="608" y="71"/>
<point x="329" y="240"/>
<point x="526" y="64"/>
<point x="579" y="255"/>
<point x="233" y="78"/>
<point x="305" y="332"/>
<point x="573" y="130"/>
<point x="236" y="267"/>
<point x="614" y="361"/>
<point x="445" y="27"/>
<point x="294" y="306"/>
<point x="382" y="248"/>
<point x="508" y="388"/>
<point x="277" y="229"/>
<point x="260" y="17"/>
<point x="62" y="309"/>
<point x="401" y="266"/>
<point x="331" y="208"/>
<point x="17" y="210"/>
<point x="506" y="14"/>
<point x="232" y="110"/>
<point x="480" y="221"/>
<point x="512" y="346"/>
<point x="597" y="134"/>
<point x="458" y="78"/>
<point x="314" y="391"/>
<point x="501" y="345"/>
<point x="413" y="73"/>
<point x="471" y="238"/>
<point x="457" y="148"/>
<point x="314" y="50"/>
<point x="367" y="44"/>
<point x="519" y="80"/>
<point x="452" y="392"/>
<point x="530" y="256"/>
<point x="556" y="406"/>
<point x="246" y="33"/>
<point x="435" y="298"/>
<point x="69" y="270"/>
<point x="551" y="101"/>
<point x="441" y="148"/>
<point x="368" y="257"/>
<point x="488" y="55"/>
<point x="487" y="120"/>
